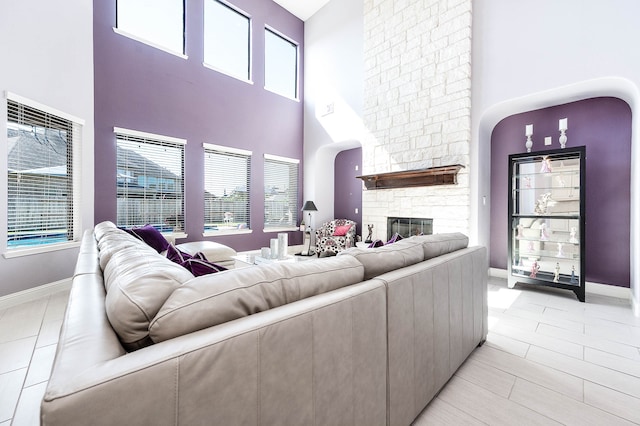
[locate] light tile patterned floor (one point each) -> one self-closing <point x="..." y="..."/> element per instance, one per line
<point x="28" y="339"/>
<point x="549" y="359"/>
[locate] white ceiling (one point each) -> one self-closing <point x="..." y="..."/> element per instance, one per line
<point x="303" y="9"/>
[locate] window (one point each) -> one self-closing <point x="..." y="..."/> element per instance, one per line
<point x="280" y="192"/>
<point x="150" y="180"/>
<point x="40" y="181"/>
<point x="227" y="174"/>
<point x="227" y="35"/>
<point x="159" y="23"/>
<point x="280" y="65"/>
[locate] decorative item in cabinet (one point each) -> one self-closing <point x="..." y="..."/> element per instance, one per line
<point x="547" y="219"/>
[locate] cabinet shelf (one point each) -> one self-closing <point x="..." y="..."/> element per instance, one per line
<point x="546" y="219"/>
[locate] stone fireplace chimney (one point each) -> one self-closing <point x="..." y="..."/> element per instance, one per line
<point x="417" y="108"/>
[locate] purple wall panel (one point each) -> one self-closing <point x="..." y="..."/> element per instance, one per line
<point x="348" y="188"/>
<point x="603" y="125"/>
<point x="142" y="88"/>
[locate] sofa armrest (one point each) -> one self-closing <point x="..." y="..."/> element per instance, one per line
<point x="321" y="360"/>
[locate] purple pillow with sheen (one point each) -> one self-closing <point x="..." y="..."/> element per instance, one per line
<point x="196" y="264"/>
<point x="394" y="238"/>
<point x="200" y="267"/>
<point x="151" y="236"/>
<point x="375" y="243"/>
<point x="175" y="255"/>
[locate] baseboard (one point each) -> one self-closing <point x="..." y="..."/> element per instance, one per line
<point x="498" y="273"/>
<point x="35" y="293"/>
<point x="608" y="290"/>
<point x="590" y="288"/>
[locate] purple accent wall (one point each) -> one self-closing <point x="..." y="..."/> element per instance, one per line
<point x="348" y="188"/>
<point x="603" y="125"/>
<point x="142" y="88"/>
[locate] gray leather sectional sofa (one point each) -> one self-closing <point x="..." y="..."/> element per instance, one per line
<point x="365" y="338"/>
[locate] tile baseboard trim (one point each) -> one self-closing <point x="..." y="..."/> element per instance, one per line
<point x="35" y="293"/>
<point x="591" y="288"/>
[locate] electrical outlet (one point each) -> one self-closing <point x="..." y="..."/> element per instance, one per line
<point x="356" y="210"/>
<point x="548" y="140"/>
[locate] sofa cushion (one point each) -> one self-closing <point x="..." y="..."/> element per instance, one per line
<point x="379" y="260"/>
<point x="439" y="244"/>
<point x="214" y="299"/>
<point x="138" y="281"/>
<point x="114" y="241"/>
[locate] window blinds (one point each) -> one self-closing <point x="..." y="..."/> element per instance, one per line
<point x="280" y="192"/>
<point x="40" y="177"/>
<point x="227" y="177"/>
<point x="150" y="181"/>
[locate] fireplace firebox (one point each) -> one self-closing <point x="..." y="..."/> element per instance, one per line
<point x="408" y="226"/>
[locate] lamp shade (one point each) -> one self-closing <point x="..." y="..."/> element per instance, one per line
<point x="309" y="206"/>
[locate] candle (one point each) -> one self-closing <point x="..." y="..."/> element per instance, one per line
<point x="528" y="130"/>
<point x="562" y="124"/>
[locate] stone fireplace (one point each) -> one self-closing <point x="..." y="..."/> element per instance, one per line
<point x="417" y="109"/>
<point x="408" y="226"/>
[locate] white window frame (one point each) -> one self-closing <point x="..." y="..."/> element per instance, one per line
<point x="77" y="126"/>
<point x="277" y="33"/>
<point x="249" y="77"/>
<point x="232" y="151"/>
<point x="295" y="208"/>
<point x="155" y="44"/>
<point x="160" y="139"/>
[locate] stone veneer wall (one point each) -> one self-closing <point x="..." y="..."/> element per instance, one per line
<point x="417" y="107"/>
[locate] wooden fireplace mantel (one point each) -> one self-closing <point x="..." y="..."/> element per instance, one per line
<point x="444" y="175"/>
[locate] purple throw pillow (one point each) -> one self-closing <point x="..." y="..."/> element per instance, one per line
<point x="151" y="236"/>
<point x="200" y="267"/>
<point x="176" y="256"/>
<point x="376" y="243"/>
<point x="394" y="238"/>
<point x="196" y="264"/>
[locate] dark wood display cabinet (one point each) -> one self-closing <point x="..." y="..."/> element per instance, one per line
<point x="546" y="219"/>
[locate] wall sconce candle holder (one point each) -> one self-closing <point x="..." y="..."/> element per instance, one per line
<point x="528" y="131"/>
<point x="563" y="126"/>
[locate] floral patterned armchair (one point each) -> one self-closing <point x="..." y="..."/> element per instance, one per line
<point x="334" y="236"/>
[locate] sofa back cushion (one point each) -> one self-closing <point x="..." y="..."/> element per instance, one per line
<point x="214" y="299"/>
<point x="137" y="280"/>
<point x="383" y="259"/>
<point x="439" y="244"/>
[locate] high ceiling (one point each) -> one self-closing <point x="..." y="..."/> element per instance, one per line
<point x="303" y="9"/>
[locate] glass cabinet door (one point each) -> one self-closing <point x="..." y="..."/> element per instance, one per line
<point x="546" y="218"/>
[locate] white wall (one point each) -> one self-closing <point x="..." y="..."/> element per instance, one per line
<point x="333" y="76"/>
<point x="47" y="56"/>
<point x="529" y="55"/>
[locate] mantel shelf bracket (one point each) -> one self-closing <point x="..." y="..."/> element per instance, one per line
<point x="444" y="175"/>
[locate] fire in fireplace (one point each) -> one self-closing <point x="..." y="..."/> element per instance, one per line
<point x="408" y="226"/>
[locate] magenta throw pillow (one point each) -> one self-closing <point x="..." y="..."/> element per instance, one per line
<point x="341" y="230"/>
